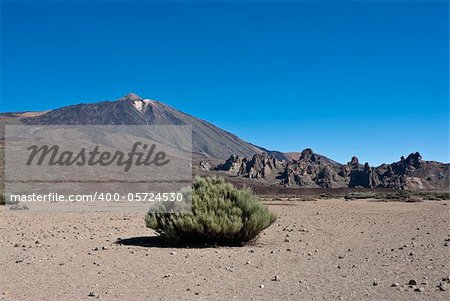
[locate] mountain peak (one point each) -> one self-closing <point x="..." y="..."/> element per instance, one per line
<point x="138" y="102"/>
<point x="132" y="96"/>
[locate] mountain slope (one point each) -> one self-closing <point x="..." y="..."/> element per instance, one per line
<point x="208" y="140"/>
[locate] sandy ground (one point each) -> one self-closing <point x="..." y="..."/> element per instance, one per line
<point x="325" y="250"/>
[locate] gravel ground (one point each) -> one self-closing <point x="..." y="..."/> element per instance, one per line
<point x="321" y="250"/>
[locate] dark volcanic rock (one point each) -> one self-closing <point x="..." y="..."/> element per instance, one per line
<point x="260" y="166"/>
<point x="362" y="177"/>
<point x="412" y="173"/>
<point x="354" y="161"/>
<point x="232" y="165"/>
<point x="313" y="171"/>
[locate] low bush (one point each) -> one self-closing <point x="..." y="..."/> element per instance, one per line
<point x="221" y="215"/>
<point x="308" y="199"/>
<point x="400" y="195"/>
<point x="359" y="195"/>
<point x="435" y="196"/>
<point x="326" y="196"/>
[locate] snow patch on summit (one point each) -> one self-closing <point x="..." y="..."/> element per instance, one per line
<point x="142" y="104"/>
<point x="138" y="104"/>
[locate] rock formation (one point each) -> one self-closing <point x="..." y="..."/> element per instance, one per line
<point x="312" y="170"/>
<point x="260" y="166"/>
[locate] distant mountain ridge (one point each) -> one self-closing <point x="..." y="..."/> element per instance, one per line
<point x="212" y="145"/>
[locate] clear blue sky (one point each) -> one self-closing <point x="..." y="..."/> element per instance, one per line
<point x="365" y="78"/>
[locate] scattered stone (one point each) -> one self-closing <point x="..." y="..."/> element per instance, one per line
<point x="395" y="284"/>
<point x="261" y="286"/>
<point x="419" y="289"/>
<point x="375" y="283"/>
<point x="173" y="253"/>
<point x="287" y="240"/>
<point x="412" y="282"/>
<point x="442" y="286"/>
<point x="92" y="294"/>
<point x="276" y="278"/>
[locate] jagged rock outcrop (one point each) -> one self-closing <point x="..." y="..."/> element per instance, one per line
<point x="232" y="165"/>
<point x="260" y="166"/>
<point x="411" y="173"/>
<point x="402" y="174"/>
<point x="313" y="170"/>
<point x="362" y="177"/>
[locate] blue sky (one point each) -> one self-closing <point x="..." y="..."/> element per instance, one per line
<point x="365" y="78"/>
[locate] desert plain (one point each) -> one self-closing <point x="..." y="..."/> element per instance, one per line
<point x="316" y="250"/>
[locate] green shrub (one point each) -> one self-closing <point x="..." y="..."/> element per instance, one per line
<point x="221" y="215"/>
<point x="400" y="195"/>
<point x="308" y="199"/>
<point x="359" y="195"/>
<point x="435" y="196"/>
<point x="326" y="196"/>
